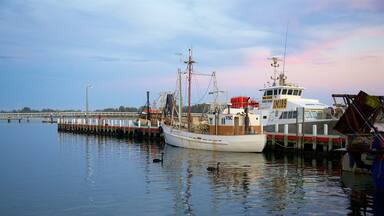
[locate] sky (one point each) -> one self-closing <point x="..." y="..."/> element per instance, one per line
<point x="50" y="50"/>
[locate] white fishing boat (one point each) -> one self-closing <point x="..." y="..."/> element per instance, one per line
<point x="233" y="130"/>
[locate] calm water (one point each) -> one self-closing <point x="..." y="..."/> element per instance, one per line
<point x="44" y="172"/>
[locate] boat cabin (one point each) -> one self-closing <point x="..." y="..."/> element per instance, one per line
<point x="234" y="122"/>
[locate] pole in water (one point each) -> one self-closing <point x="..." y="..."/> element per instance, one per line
<point x="148" y="113"/>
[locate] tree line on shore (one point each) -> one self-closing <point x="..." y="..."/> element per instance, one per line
<point x="198" y="108"/>
<point x="30" y="110"/>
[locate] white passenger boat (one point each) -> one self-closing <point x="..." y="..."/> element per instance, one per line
<point x="233" y="130"/>
<point x="282" y="103"/>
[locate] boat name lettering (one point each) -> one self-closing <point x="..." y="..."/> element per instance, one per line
<point x="280" y="103"/>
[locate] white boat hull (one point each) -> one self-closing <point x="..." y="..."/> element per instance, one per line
<point x="238" y="143"/>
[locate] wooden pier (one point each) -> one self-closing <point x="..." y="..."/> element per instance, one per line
<point x="314" y="142"/>
<point x="111" y="127"/>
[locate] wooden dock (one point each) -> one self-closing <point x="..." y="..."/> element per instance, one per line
<point x="322" y="143"/>
<point x="313" y="141"/>
<point x="111" y="127"/>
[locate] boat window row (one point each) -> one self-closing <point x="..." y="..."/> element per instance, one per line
<point x="288" y="115"/>
<point x="314" y="115"/>
<point x="296" y="92"/>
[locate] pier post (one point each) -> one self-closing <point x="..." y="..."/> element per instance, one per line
<point x="139" y="123"/>
<point x="299" y="135"/>
<point x="325" y="145"/>
<point x="314" y="134"/>
<point x="120" y="123"/>
<point x="158" y="123"/>
<point x="286" y="135"/>
<point x="274" y="136"/>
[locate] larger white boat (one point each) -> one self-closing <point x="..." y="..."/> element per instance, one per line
<point x="282" y="103"/>
<point x="233" y="130"/>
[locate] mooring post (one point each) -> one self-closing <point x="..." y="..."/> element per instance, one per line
<point x="325" y="145"/>
<point x="286" y="135"/>
<point x="148" y="111"/>
<point x="314" y="134"/>
<point x="299" y="134"/>
<point x="274" y="136"/>
<point x="158" y="123"/>
<point x="139" y="123"/>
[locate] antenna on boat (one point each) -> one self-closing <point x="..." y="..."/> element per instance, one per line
<point x="275" y="65"/>
<point x="190" y="69"/>
<point x="282" y="76"/>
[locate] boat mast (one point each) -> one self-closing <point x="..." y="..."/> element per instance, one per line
<point x="190" y="69"/>
<point x="180" y="99"/>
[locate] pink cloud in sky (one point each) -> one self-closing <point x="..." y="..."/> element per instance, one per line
<point x="317" y="5"/>
<point x="346" y="63"/>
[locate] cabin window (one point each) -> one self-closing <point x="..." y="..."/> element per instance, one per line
<point x="210" y="121"/>
<point x="284" y="115"/>
<point x="279" y="91"/>
<point x="223" y="121"/>
<point x="269" y="92"/>
<point x="264" y="117"/>
<point x="295" y="92"/>
<point x="284" y="91"/>
<point x="275" y="91"/>
<point x="290" y="91"/>
<point x="294" y="115"/>
<point x="290" y="115"/>
<point x="265" y="93"/>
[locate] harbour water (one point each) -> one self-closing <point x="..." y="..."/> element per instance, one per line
<point x="45" y="172"/>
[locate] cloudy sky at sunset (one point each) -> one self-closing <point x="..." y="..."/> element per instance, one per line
<point x="51" y="49"/>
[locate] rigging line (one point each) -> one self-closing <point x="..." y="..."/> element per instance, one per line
<point x="206" y="91"/>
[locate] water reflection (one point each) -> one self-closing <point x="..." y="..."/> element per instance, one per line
<point x="364" y="198"/>
<point x="246" y="183"/>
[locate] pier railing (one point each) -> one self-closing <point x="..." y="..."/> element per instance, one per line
<point x="111" y="127"/>
<point x="107" y="122"/>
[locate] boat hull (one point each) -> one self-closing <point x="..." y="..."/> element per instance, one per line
<point x="237" y="143"/>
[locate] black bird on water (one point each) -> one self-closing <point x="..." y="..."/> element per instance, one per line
<point x="156" y="160"/>
<point x="213" y="169"/>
